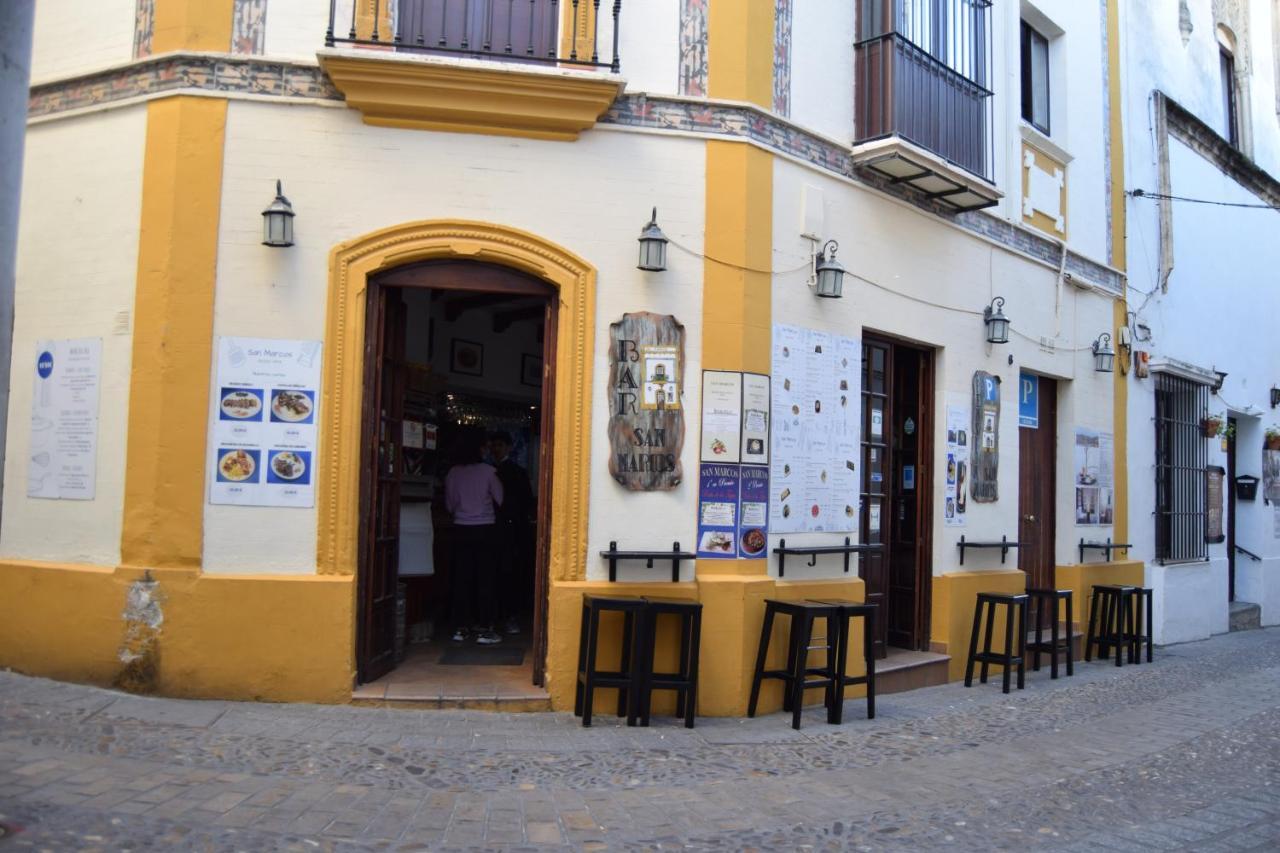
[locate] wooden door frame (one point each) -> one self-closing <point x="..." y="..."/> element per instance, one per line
<point x="1049" y="515"/>
<point x="470" y="277"/>
<point x="927" y="409"/>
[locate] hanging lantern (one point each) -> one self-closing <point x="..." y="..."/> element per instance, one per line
<point x="997" y="323"/>
<point x="653" y="246"/>
<point x="1104" y="358"/>
<point x="277" y="221"/>
<point x="828" y="272"/>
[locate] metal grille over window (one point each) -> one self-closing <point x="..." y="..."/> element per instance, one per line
<point x="1181" y="455"/>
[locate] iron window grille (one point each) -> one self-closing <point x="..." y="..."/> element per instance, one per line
<point x="1181" y="456"/>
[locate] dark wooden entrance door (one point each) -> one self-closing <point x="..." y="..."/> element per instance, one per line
<point x="1230" y="487"/>
<point x="1037" y="455"/>
<point x="897" y="417"/>
<point x="380" y="533"/>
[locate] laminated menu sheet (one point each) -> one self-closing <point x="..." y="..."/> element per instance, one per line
<point x="63" y="452"/>
<point x="262" y="438"/>
<point x="814" y="477"/>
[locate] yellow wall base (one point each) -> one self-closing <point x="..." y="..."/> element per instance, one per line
<point x="954" y="597"/>
<point x="275" y="638"/>
<point x="1081" y="578"/>
<point x="732" y="615"/>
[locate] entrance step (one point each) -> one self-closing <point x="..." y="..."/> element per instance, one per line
<point x="902" y="670"/>
<point x="1245" y="616"/>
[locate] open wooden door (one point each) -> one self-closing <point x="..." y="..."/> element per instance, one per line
<point x="380" y="491"/>
<point x="1037" y="483"/>
<point x="541" y="580"/>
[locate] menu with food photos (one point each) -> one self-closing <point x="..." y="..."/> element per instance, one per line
<point x="262" y="434"/>
<point x="816" y="403"/>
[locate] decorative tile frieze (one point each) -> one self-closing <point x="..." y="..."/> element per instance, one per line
<point x="693" y="48"/>
<point x="144" y="18"/>
<point x="249" y="26"/>
<point x="782" y="57"/>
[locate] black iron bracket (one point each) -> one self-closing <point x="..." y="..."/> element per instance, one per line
<point x="1105" y="547"/>
<point x="1249" y="554"/>
<point x="675" y="555"/>
<point x="812" y="553"/>
<point x="1004" y="545"/>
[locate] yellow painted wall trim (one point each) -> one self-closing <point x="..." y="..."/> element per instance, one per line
<point x="273" y="637"/>
<point x="426" y="93"/>
<point x="350" y="265"/>
<point x="1119" y="260"/>
<point x="740" y="46"/>
<point x="954" y="597"/>
<point x="1047" y="163"/>
<point x="575" y="36"/>
<point x="191" y="25"/>
<point x="173" y="333"/>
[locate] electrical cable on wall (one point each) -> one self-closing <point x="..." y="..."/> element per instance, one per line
<point x="1141" y="193"/>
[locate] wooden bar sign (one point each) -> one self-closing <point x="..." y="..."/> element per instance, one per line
<point x="646" y="389"/>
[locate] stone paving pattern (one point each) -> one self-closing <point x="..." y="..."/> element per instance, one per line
<point x="1181" y="754"/>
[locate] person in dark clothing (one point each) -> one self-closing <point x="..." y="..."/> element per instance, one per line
<point x="473" y="495"/>
<point x="513" y="531"/>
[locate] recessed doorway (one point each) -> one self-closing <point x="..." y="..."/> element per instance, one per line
<point x="455" y="484"/>
<point x="1037" y="480"/>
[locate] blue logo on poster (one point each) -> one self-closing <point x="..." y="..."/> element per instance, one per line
<point x="1029" y="400"/>
<point x="44" y="364"/>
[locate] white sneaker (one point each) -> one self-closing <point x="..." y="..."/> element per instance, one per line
<point x="488" y="638"/>
<point x="512" y="626"/>
<point x="459" y="636"/>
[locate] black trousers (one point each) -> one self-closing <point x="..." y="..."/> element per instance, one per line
<point x="515" y="569"/>
<point x="473" y="581"/>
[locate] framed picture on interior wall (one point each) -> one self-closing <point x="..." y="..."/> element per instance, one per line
<point x="531" y="370"/>
<point x="467" y="357"/>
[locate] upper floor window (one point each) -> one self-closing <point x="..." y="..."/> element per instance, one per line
<point x="1035" y="78"/>
<point x="1227" y="66"/>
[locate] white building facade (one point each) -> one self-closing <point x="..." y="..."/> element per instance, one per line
<point x="1202" y="152"/>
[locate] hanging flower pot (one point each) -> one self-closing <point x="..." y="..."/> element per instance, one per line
<point x="1211" y="425"/>
<point x="1271" y="439"/>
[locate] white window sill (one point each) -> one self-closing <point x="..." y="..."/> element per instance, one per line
<point x="1034" y="137"/>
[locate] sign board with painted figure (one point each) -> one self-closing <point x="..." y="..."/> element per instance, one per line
<point x="646" y="416"/>
<point x="985" y="450"/>
<point x="63" y="452"/>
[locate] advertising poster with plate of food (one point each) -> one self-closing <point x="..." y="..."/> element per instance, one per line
<point x="721" y="416"/>
<point x="718" y="497"/>
<point x="753" y="512"/>
<point x="263" y="432"/>
<point x="816" y="402"/>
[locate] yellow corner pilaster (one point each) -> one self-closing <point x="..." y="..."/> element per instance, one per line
<point x="740" y="50"/>
<point x="1119" y="232"/>
<point x="173" y="333"/>
<point x="191" y="25"/>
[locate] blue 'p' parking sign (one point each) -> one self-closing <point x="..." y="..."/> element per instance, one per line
<point x="1029" y="400"/>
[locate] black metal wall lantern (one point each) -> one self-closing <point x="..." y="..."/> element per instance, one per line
<point x="828" y="273"/>
<point x="1275" y="397"/>
<point x="997" y="323"/>
<point x="653" y="246"/>
<point x="1104" y="357"/>
<point x="277" y="221"/>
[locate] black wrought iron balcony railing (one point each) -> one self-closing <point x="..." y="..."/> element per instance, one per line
<point x="550" y="32"/>
<point x="921" y="69"/>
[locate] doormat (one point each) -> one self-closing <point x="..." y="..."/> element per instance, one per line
<point x="473" y="655"/>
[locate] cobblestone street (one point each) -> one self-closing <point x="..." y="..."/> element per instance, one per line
<point x="1180" y="754"/>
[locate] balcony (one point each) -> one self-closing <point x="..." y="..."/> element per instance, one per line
<point x="532" y="68"/>
<point x="923" y="112"/>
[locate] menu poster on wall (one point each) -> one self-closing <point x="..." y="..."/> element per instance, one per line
<point x="816" y="402"/>
<point x="955" y="502"/>
<point x="1093" y="477"/>
<point x="718" y="497"/>
<point x="263" y="432"/>
<point x="721" y="416"/>
<point x="63" y="456"/>
<point x="753" y="512"/>
<point x="755" y="418"/>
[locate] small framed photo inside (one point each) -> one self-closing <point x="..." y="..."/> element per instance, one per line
<point x="531" y="370"/>
<point x="466" y="357"/>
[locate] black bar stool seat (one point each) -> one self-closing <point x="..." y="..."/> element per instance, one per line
<point x="798" y="675"/>
<point x="684" y="681"/>
<point x="629" y="677"/>
<point x="1015" y="641"/>
<point x="1116" y="622"/>
<point x="1044" y="603"/>
<point x="867" y="613"/>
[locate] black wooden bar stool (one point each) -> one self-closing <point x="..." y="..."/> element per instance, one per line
<point x="867" y="613"/>
<point x="1015" y="640"/>
<point x="1044" y="603"/>
<point x="684" y="681"/>
<point x="1143" y="633"/>
<point x="798" y="675"/>
<point x="1112" y="623"/>
<point x="629" y="676"/>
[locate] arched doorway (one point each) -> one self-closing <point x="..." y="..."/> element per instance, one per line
<point x="363" y="268"/>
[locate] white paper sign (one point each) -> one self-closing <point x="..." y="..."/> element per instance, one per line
<point x="262" y="437"/>
<point x="63" y="452"/>
<point x="721" y="416"/>
<point x="755" y="419"/>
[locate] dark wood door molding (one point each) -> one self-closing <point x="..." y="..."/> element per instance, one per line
<point x="1037" y="485"/>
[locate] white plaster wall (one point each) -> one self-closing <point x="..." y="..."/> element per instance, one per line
<point x="931" y="283"/>
<point x="73" y="37"/>
<point x="76" y="267"/>
<point x="345" y="179"/>
<point x="822" y="67"/>
<point x="1185" y="600"/>
<point x="295" y="28"/>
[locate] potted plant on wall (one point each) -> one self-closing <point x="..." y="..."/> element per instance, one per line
<point x="1271" y="438"/>
<point x="1211" y="425"/>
